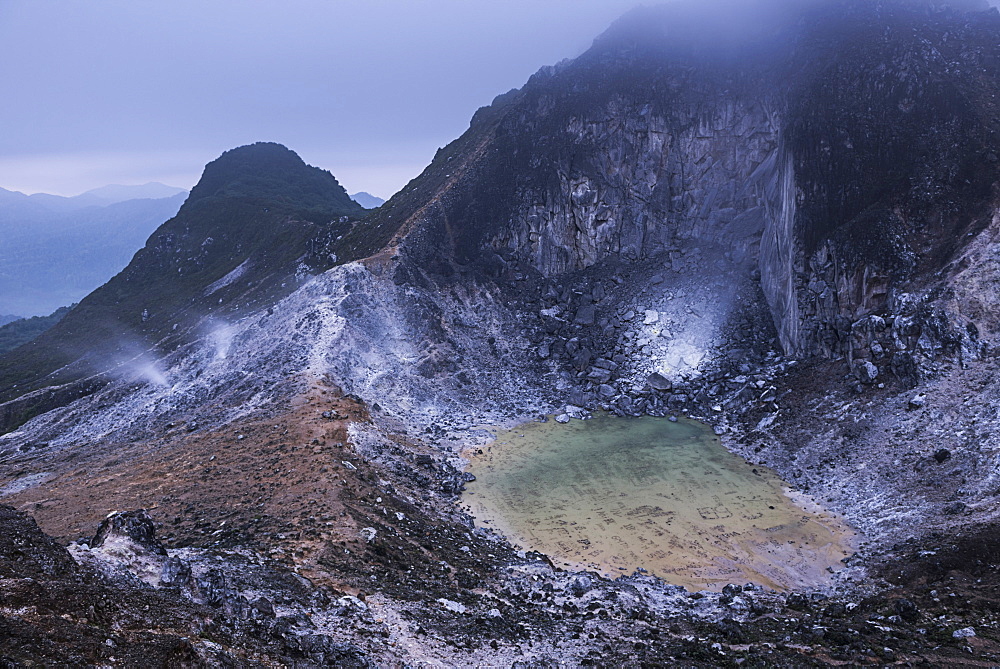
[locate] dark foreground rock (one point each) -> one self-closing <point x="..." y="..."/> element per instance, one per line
<point x="132" y="526"/>
<point x="54" y="611"/>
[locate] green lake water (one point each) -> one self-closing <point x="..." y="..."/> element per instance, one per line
<point x="616" y="494"/>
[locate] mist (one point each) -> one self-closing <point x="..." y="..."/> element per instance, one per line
<point x="724" y="28"/>
<point x="126" y="92"/>
<point x="136" y="363"/>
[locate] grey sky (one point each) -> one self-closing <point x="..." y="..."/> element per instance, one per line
<point x="126" y="91"/>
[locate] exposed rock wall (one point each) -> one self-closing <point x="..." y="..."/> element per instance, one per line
<point x="842" y="170"/>
<point x="778" y="251"/>
<point x="893" y="140"/>
<point x="651" y="184"/>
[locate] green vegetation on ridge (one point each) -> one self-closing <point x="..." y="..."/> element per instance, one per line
<point x="22" y="331"/>
<point x="258" y="221"/>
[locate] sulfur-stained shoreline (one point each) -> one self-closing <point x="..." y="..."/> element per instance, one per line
<point x="614" y="495"/>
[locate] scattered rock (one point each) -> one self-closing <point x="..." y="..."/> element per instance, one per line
<point x="580" y="585"/>
<point x="352" y="602"/>
<point x="452" y="606"/>
<point x="907" y="610"/>
<point x="585" y="315"/>
<point x="262" y="607"/>
<point x="954" y="508"/>
<point x="175" y="572"/>
<point x="941" y="455"/>
<point x="797" y="601"/>
<point x="964" y="633"/>
<point x="599" y="375"/>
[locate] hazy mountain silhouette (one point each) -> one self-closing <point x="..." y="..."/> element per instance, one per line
<point x="367" y="200"/>
<point x="57" y="249"/>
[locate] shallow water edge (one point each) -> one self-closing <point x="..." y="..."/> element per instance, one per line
<point x="616" y="495"/>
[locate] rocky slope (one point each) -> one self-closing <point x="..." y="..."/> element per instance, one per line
<point x="791" y="237"/>
<point x="258" y="223"/>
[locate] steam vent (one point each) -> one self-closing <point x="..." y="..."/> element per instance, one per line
<point x="683" y="354"/>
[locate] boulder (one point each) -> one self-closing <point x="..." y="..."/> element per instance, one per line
<point x="582" y="359"/>
<point x="941" y="455"/>
<point x="907" y="610"/>
<point x="580" y="585"/>
<point x="867" y="372"/>
<point x="453" y="606"/>
<point x="954" y="508"/>
<point x="585" y="315"/>
<point x="797" y="602"/>
<point x="657" y="381"/>
<point x="599" y="375"/>
<point x="175" y="572"/>
<point x="135" y="527"/>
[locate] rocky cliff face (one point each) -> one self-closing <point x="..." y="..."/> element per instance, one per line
<point x="894" y="148"/>
<point x="631" y="181"/>
<point x="840" y="171"/>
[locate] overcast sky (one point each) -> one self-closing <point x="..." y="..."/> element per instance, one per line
<point x="130" y="91"/>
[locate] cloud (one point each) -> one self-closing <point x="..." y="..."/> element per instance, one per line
<point x="127" y="92"/>
<point x="96" y="84"/>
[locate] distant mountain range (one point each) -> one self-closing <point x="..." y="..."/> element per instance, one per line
<point x="58" y="249"/>
<point x="367" y="200"/>
<point x="42" y="203"/>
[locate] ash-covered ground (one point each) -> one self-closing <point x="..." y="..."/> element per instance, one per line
<point x="308" y="500"/>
